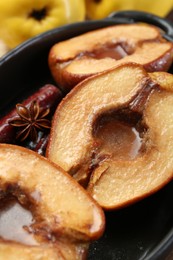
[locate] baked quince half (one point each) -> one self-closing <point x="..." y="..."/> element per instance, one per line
<point x="114" y="134"/>
<point x="23" y="19"/>
<point x="64" y="217"/>
<point x="75" y="59"/>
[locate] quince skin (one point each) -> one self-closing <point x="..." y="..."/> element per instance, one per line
<point x="98" y="9"/>
<point x="3" y="48"/>
<point x="23" y="19"/>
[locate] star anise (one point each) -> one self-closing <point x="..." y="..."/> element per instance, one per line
<point x="30" y="120"/>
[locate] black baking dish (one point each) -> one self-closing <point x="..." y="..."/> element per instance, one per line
<point x="141" y="231"/>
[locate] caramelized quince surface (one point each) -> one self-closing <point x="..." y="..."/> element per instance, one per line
<point x="75" y="59"/>
<point x="65" y="217"/>
<point x="84" y="143"/>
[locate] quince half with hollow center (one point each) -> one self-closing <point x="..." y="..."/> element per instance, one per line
<point x="75" y="59"/>
<point x="114" y="134"/>
<point x="64" y="217"/>
<point x="23" y="19"/>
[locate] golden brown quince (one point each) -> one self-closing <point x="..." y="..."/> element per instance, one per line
<point x="73" y="60"/>
<point x="65" y="217"/>
<point x="114" y="133"/>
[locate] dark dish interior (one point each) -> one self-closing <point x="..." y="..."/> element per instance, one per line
<point x="140" y="231"/>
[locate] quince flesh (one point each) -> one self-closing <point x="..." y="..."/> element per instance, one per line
<point x="73" y="60"/>
<point x="96" y="9"/>
<point x="164" y="79"/>
<point x="66" y="218"/>
<point x="84" y="143"/>
<point x="15" y="251"/>
<point x="23" y="19"/>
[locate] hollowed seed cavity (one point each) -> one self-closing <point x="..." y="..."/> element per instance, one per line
<point x="15" y="220"/>
<point x="119" y="136"/>
<point x="115" y="51"/>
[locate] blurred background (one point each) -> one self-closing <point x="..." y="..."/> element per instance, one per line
<point x="21" y="20"/>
